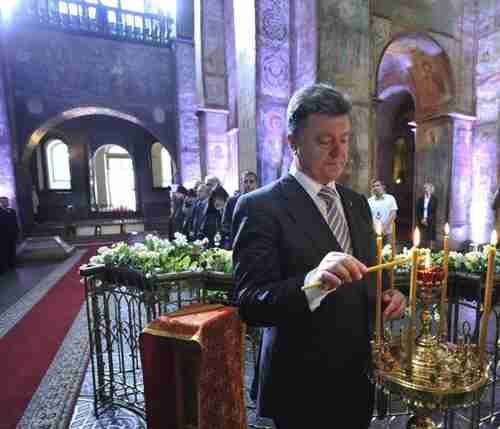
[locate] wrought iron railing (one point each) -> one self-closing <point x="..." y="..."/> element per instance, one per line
<point x="98" y="20"/>
<point x="120" y="303"/>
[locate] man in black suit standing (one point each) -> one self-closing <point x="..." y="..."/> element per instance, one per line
<point x="426" y="215"/>
<point x="300" y="229"/>
<point x="9" y="222"/>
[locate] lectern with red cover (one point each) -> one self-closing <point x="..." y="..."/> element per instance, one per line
<point x="193" y="366"/>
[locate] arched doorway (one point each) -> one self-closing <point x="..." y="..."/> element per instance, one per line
<point x="415" y="91"/>
<point x="113" y="180"/>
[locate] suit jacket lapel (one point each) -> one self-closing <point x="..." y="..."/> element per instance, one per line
<point x="307" y="216"/>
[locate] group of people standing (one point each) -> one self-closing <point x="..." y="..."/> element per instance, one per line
<point x="9" y="231"/>
<point x="384" y="211"/>
<point x="206" y="210"/>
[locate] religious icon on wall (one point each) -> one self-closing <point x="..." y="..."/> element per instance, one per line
<point x="431" y="87"/>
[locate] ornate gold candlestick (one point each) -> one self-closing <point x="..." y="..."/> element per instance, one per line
<point x="425" y="370"/>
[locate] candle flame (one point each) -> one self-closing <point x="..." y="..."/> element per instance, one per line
<point x="494" y="238"/>
<point x="416" y="237"/>
<point x="446" y="229"/>
<point x="378" y="228"/>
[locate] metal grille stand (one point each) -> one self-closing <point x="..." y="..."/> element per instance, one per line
<point x="120" y="303"/>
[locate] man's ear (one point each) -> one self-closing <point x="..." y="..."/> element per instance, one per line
<point x="293" y="144"/>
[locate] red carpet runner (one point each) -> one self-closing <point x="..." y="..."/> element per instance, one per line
<point x="28" y="349"/>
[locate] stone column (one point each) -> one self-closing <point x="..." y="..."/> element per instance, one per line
<point x="263" y="54"/>
<point x="461" y="191"/>
<point x="8" y="153"/>
<point x="216" y="150"/>
<point x="189" y="168"/>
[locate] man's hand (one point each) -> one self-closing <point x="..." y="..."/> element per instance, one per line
<point x="396" y="304"/>
<point x="338" y="268"/>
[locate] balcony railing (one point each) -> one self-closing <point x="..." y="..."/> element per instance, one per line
<point x="99" y="20"/>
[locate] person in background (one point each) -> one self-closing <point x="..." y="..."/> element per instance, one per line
<point x="210" y="226"/>
<point x="249" y="182"/>
<point x="212" y="182"/>
<point x="426" y="215"/>
<point x="193" y="224"/>
<point x="307" y="228"/>
<point x="176" y="212"/>
<point x="11" y="233"/>
<point x="4" y="245"/>
<point x="384" y="209"/>
<point x="188" y="208"/>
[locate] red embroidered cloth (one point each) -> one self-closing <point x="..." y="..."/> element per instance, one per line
<point x="193" y="366"/>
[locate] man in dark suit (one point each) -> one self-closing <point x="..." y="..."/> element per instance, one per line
<point x="9" y="221"/>
<point x="426" y="215"/>
<point x="300" y="229"/>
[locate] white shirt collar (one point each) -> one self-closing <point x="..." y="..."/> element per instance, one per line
<point x="308" y="183"/>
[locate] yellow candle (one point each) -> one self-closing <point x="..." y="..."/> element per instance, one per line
<point x="413" y="294"/>
<point x="490" y="275"/>
<point x="444" y="288"/>
<point x="378" y="314"/>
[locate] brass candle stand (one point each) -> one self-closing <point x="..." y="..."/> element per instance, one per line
<point x="426" y="370"/>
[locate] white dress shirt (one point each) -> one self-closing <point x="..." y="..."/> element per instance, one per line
<point x="315" y="295"/>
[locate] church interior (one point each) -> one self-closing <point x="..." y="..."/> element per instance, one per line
<point x="109" y="109"/>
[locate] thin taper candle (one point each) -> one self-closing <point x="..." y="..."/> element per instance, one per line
<point x="490" y="274"/>
<point x="443" y="319"/>
<point x="413" y="295"/>
<point x="378" y="314"/>
<point x="393" y="250"/>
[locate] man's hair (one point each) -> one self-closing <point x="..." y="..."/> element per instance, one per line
<point x="311" y="99"/>
<point x="377" y="181"/>
<point x="250" y="173"/>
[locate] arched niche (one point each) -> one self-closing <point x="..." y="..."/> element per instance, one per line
<point x="161" y="166"/>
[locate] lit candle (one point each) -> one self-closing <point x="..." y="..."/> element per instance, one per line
<point x="413" y="294"/>
<point x="490" y="275"/>
<point x="378" y="314"/>
<point x="444" y="288"/>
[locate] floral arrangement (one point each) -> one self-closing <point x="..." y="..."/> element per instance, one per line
<point x="474" y="262"/>
<point x="159" y="256"/>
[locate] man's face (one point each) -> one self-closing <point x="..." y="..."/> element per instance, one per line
<point x="249" y="183"/>
<point x="219" y="203"/>
<point x="377" y="189"/>
<point x="4" y="202"/>
<point x="212" y="184"/>
<point x="322" y="147"/>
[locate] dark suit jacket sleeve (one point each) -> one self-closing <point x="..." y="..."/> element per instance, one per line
<point x="263" y="296"/>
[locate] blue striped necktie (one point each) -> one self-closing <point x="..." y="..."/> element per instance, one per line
<point x="335" y="218"/>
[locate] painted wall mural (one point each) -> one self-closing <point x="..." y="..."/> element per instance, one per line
<point x="433" y="90"/>
<point x="271" y="132"/>
<point x="273" y="84"/>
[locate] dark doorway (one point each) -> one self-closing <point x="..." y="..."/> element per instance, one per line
<point x="396" y="152"/>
